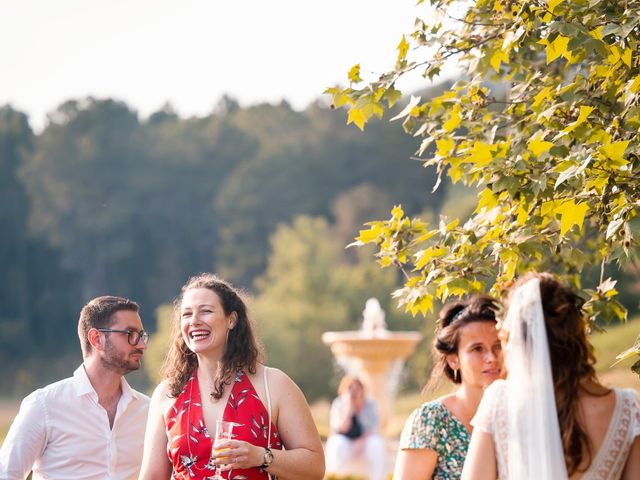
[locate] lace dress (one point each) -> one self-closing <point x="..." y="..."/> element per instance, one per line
<point x="608" y="463"/>
<point x="432" y="427"/>
<point x="190" y="443"/>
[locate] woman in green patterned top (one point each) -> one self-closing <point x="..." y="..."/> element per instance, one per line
<point x="467" y="351"/>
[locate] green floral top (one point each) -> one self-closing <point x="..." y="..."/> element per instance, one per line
<point x="432" y="426"/>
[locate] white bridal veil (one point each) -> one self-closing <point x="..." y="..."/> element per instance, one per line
<point x="535" y="447"/>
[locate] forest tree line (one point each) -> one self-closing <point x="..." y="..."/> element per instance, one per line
<point x="104" y="202"/>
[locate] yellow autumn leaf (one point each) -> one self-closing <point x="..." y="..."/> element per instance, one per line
<point x="537" y="146"/>
<point x="615" y="151"/>
<point x="556" y="48"/>
<point x="582" y="116"/>
<point x="454" y="119"/>
<point x="522" y="214"/>
<point x="634" y="85"/>
<point x="509" y="262"/>
<point x="548" y="207"/>
<point x="598" y="183"/>
<point x="614" y="55"/>
<point x="487" y="200"/>
<point x="338" y="97"/>
<point x="403" y="48"/>
<point x="541" y="96"/>
<point x="597" y="32"/>
<point x="356" y="116"/>
<point x="444" y="146"/>
<point x="425" y="256"/>
<point x="497" y="58"/>
<point x="553" y="4"/>
<point x="626" y="57"/>
<point x="599" y="135"/>
<point x="571" y="214"/>
<point x="367" y="236"/>
<point x="397" y="212"/>
<point x="354" y="74"/>
<point x="423" y="305"/>
<point x="480" y="154"/>
<point x="370" y="108"/>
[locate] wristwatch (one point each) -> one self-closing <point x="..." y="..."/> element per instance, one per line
<point x="267" y="460"/>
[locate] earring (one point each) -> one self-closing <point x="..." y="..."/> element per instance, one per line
<point x="455" y="375"/>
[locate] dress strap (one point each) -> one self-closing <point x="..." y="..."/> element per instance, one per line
<point x="266" y="387"/>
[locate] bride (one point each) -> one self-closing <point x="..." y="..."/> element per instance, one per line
<point x="551" y="419"/>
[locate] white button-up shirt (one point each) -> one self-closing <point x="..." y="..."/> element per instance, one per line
<point x="62" y="433"/>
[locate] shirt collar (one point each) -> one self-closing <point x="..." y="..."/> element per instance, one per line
<point x="83" y="385"/>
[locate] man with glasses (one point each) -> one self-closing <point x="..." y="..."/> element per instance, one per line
<point x="89" y="426"/>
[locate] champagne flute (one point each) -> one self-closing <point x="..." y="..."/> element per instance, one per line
<point x="224" y="430"/>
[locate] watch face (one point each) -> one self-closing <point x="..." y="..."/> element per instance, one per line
<point x="268" y="457"/>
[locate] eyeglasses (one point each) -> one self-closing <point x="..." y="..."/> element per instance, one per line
<point x="133" y="336"/>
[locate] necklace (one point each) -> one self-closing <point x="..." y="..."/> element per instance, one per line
<point x="191" y="462"/>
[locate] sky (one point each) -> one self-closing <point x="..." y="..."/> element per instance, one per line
<point x="191" y="52"/>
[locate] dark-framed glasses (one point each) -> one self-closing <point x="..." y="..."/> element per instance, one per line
<point x="133" y="336"/>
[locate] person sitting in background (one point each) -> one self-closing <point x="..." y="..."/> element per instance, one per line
<point x="90" y="425"/>
<point x="354" y="430"/>
<point x="467" y="350"/>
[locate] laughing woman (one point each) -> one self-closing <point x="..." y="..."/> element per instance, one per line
<point x="467" y="351"/>
<point x="213" y="372"/>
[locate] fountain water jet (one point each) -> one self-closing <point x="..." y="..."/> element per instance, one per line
<point x="374" y="354"/>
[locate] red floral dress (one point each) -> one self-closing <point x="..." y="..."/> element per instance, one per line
<point x="190" y="443"/>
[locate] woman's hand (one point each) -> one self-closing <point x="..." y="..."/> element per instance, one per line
<point x="237" y="454"/>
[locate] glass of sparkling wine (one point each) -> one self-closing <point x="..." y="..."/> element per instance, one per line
<point x="223" y="432"/>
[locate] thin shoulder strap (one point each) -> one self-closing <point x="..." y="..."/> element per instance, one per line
<point x="266" y="387"/>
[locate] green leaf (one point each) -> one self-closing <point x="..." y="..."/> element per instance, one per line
<point x="391" y="95"/>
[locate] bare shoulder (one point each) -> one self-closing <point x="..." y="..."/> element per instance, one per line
<point x="280" y="381"/>
<point x="161" y="398"/>
<point x="161" y="390"/>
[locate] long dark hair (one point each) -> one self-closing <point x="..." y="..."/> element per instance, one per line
<point x="572" y="362"/>
<point x="453" y="316"/>
<point x="243" y="352"/>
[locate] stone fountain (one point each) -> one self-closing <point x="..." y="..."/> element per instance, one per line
<point x="374" y="354"/>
